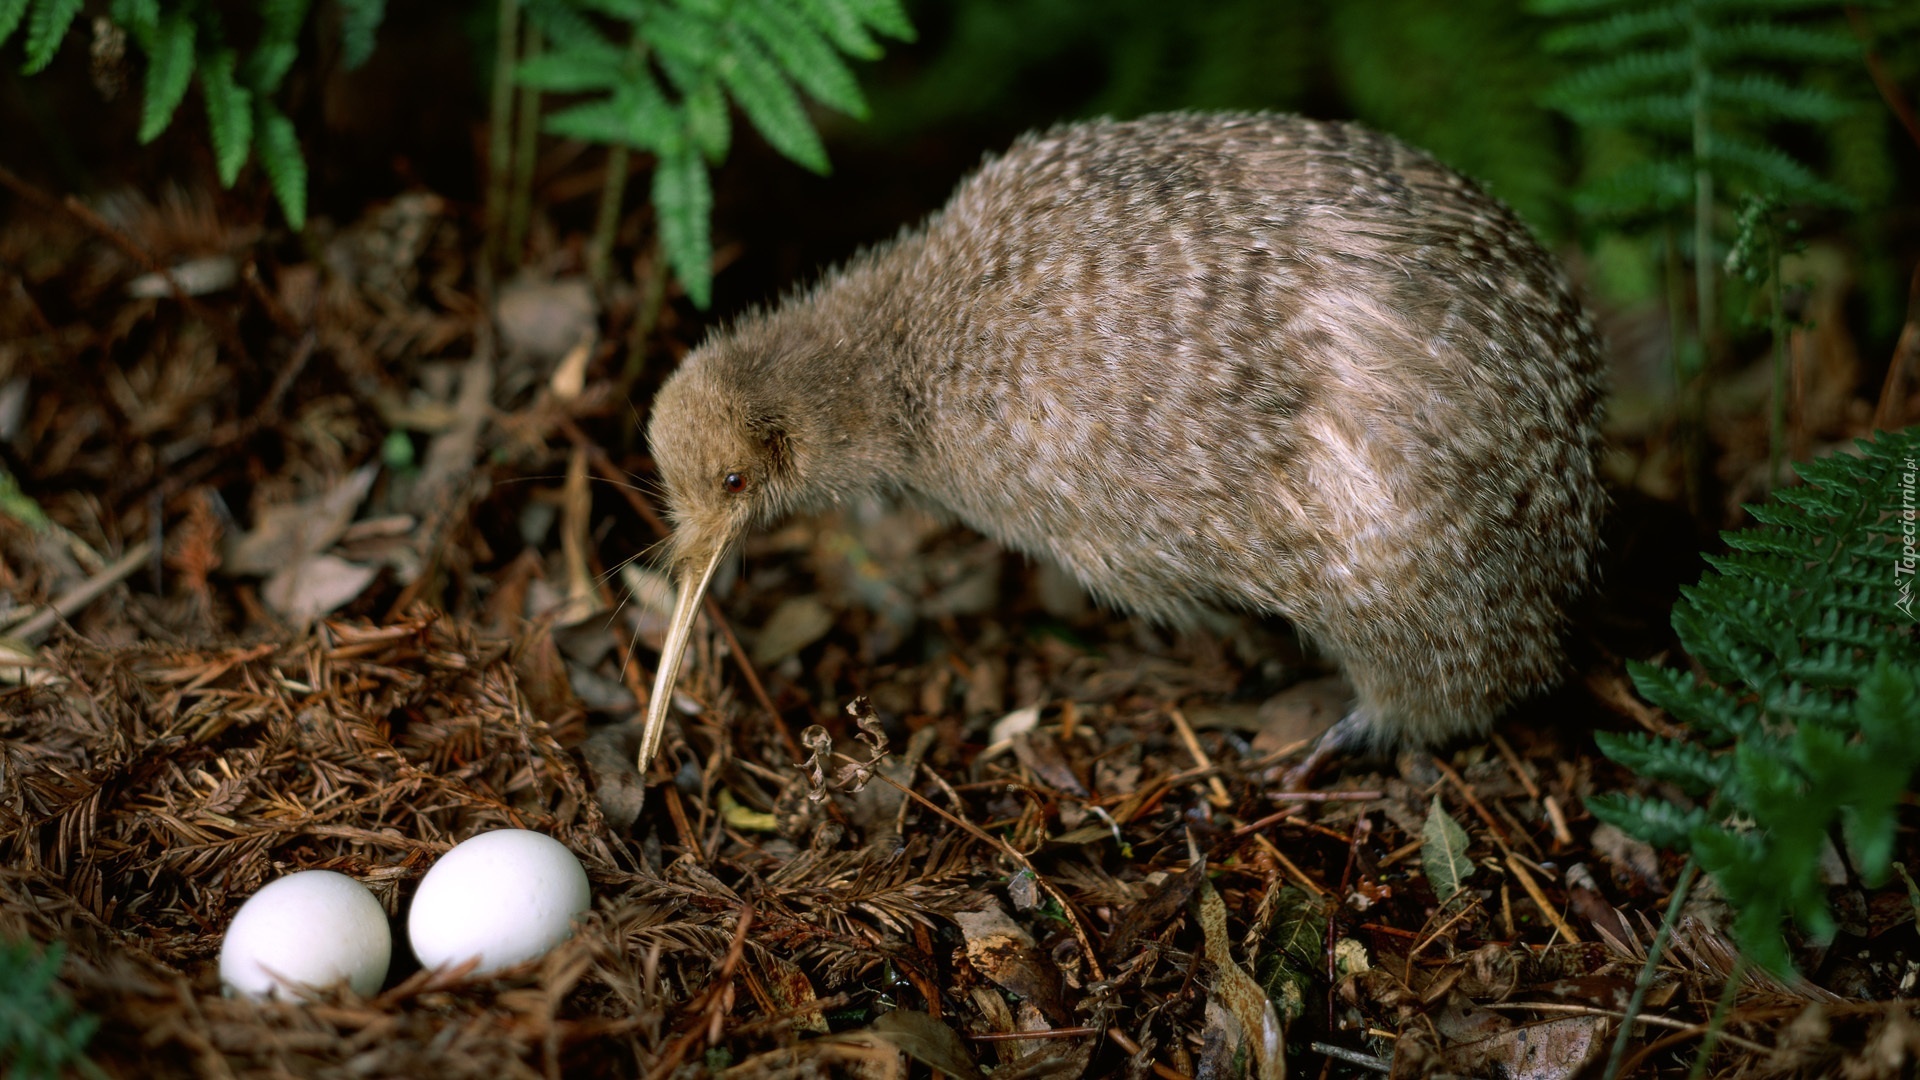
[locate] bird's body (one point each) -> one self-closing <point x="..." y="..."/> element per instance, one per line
<point x="1200" y="361"/>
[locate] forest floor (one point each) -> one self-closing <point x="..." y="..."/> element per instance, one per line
<point x="317" y="558"/>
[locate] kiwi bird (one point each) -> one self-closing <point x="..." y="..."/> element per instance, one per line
<point x="1246" y="361"/>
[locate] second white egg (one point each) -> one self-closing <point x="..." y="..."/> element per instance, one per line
<point x="502" y="897"/>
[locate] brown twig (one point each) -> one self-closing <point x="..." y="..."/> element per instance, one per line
<point x="1132" y="1047"/>
<point x="78" y="597"/>
<point x="1044" y="1033"/>
<point x="1473" y="801"/>
<point x="1532" y="887"/>
<point x="717" y="992"/>
<point x="1073" y="917"/>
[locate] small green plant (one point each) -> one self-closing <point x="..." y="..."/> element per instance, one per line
<point x="41" y="1036"/>
<point x="660" y="74"/>
<point x="1687" y="97"/>
<point x="188" y="43"/>
<point x="1805" y="708"/>
<point x="1764" y="236"/>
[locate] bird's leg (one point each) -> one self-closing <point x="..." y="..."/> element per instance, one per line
<point x="1352" y="732"/>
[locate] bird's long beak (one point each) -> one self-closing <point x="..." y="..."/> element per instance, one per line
<point x="691" y="577"/>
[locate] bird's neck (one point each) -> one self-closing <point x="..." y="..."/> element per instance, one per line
<point x="859" y="326"/>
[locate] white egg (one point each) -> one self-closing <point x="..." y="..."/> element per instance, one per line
<point x="504" y="897"/>
<point x="314" y="928"/>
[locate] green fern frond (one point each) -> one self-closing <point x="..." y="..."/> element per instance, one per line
<point x="229" y="114"/>
<point x="46" y="28"/>
<point x="1773" y="167"/>
<point x="359" y="21"/>
<point x="637" y="115"/>
<point x="1643" y="188"/>
<point x="707" y="122"/>
<point x="140" y="18"/>
<point x="565" y="26"/>
<point x="1806" y="717"/>
<point x="887" y="17"/>
<point x="579" y="69"/>
<point x="757" y="83"/>
<point x="687" y="37"/>
<point x="1662" y="112"/>
<point x="1564" y="8"/>
<point x="188" y="40"/>
<point x="683" y="198"/>
<point x="279" y="45"/>
<point x="42" y="1037"/>
<point x="1656" y="821"/>
<point x="280" y="157"/>
<point x="1692" y="767"/>
<point x="1768" y="97"/>
<point x="169" y="70"/>
<point x="11" y="12"/>
<point x="1619" y="29"/>
<point x="763" y="54"/>
<point x="1633" y="71"/>
<point x="1766" y="6"/>
<point x="843" y="26"/>
<point x="1775" y="41"/>
<point x="804" y="53"/>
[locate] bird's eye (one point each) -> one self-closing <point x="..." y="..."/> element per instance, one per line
<point x="734" y="482"/>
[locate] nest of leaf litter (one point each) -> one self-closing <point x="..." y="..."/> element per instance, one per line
<point x="151" y="791"/>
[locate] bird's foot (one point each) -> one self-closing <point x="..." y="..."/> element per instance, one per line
<point x="1353" y="732"/>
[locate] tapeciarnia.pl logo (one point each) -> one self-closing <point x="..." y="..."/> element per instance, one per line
<point x="1903" y="569"/>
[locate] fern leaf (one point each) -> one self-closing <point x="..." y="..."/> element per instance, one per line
<point x="169" y="69"/>
<point x="683" y="200"/>
<point x="46" y="29"/>
<point x="1759" y="39"/>
<point x="708" y="124"/>
<point x="359" y="21"/>
<point x="1772" y="166"/>
<point x="565" y="27"/>
<point x="1764" y="95"/>
<point x="636" y="115"/>
<point x="885" y="16"/>
<point x="279" y="147"/>
<point x="686" y="37"/>
<point x="279" y="44"/>
<point x="11" y="12"/>
<point x="1656" y="821"/>
<point x="1763" y="5"/>
<point x="1563" y="8"/>
<point x="40" y="1033"/>
<point x="764" y="95"/>
<point x="576" y="70"/>
<point x="627" y="11"/>
<point x="1619" y="29"/>
<point x="805" y="56"/>
<point x="843" y="26"/>
<point x="1692" y="767"/>
<point x="229" y="114"/>
<point x="1644" y="189"/>
<point x="1720" y="716"/>
<point x="1664" y="112"/>
<point x="1633" y="71"/>
<point x="140" y="19"/>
